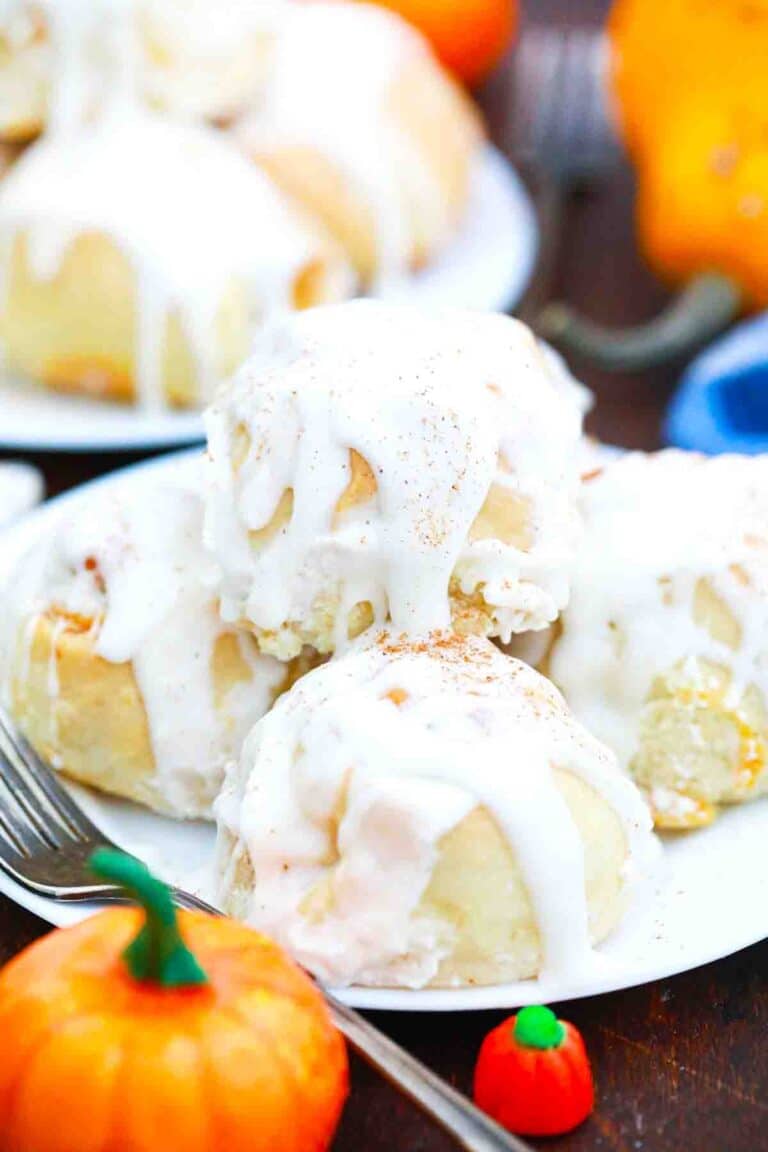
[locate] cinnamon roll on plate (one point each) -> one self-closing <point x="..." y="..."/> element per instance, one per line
<point x="426" y="812"/>
<point x="115" y="662"/>
<point x="140" y="254"/>
<point x="663" y="651"/>
<point x="372" y="463"/>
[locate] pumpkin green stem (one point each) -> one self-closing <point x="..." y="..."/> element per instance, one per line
<point x="158" y="954"/>
<point x="538" y="1027"/>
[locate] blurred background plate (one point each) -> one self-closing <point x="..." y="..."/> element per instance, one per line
<point x="487" y="267"/>
<point x="706" y="902"/>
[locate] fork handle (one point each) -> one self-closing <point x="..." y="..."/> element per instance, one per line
<point x="454" y="1113"/>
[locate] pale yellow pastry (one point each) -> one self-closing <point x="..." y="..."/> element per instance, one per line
<point x="139" y="255"/>
<point x="428" y="813"/>
<point x="373" y="463"/>
<point x="663" y="651"/>
<point x="115" y="663"/>
<point x="361" y="125"/>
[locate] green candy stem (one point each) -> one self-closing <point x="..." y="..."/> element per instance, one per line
<point x="158" y="954"/>
<point x="538" y="1027"/>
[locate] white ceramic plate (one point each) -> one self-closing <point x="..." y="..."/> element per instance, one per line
<point x="21" y="487"/>
<point x="707" y="901"/>
<point x="487" y="267"/>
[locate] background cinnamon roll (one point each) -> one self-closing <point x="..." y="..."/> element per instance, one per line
<point x="139" y="256"/>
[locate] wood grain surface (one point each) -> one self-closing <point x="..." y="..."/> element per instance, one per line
<point x="681" y="1064"/>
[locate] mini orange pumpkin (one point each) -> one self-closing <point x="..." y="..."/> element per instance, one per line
<point x="110" y="1046"/>
<point x="533" y="1075"/>
<point x="691" y="83"/>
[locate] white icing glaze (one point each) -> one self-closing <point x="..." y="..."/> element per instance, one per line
<point x="331" y="85"/>
<point x="135" y="566"/>
<point x="17" y="22"/>
<point x="206" y="59"/>
<point x="194" y="217"/>
<point x="341" y="784"/>
<point x="655" y="526"/>
<point x="441" y="405"/>
<point x="193" y="58"/>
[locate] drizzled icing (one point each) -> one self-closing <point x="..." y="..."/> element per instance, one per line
<point x="442" y="406"/>
<point x="207" y="221"/>
<point x="656" y="526"/>
<point x="135" y="568"/>
<point x="330" y="86"/>
<point x="195" y="219"/>
<point x="355" y="776"/>
<point x="186" y="62"/>
<point x="206" y="59"/>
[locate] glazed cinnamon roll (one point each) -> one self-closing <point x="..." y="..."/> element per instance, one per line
<point x="662" y="652"/>
<point x="374" y="463"/>
<point x="139" y="255"/>
<point x="115" y="662"/>
<point x="426" y="812"/>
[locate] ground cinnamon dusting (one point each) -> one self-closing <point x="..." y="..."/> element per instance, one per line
<point x="443" y="644"/>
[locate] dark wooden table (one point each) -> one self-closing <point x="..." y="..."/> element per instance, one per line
<point x="681" y="1064"/>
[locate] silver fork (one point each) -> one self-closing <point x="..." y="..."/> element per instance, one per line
<point x="561" y="132"/>
<point x="46" y="841"/>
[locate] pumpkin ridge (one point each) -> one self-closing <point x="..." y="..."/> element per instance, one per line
<point x="49" y="1036"/>
<point x="46" y="1034"/>
<point x="113" y="1136"/>
<point x="13" y="1092"/>
<point x="268" y="1038"/>
<point x="231" y="1013"/>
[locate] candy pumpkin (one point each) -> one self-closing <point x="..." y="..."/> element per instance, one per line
<point x="533" y="1075"/>
<point x="469" y="36"/>
<point x="134" y="1031"/>
<point x="691" y="86"/>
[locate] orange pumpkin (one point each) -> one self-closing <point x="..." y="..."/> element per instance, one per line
<point x="691" y="87"/>
<point x="110" y="1046"/>
<point x="469" y="36"/>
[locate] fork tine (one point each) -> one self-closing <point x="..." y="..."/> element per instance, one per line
<point x="16" y="837"/>
<point x="26" y="800"/>
<point x="570" y="115"/>
<point x="553" y="62"/>
<point x="38" y="789"/>
<point x="535" y="63"/>
<point x="602" y="116"/>
<point x="562" y="123"/>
